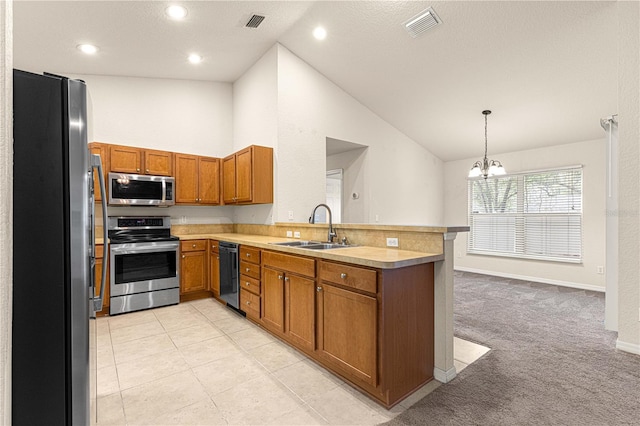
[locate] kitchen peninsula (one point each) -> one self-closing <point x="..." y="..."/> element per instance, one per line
<point x="381" y="318"/>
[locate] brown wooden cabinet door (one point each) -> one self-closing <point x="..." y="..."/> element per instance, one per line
<point x="125" y="159"/>
<point x="214" y="274"/>
<point x="193" y="271"/>
<point x="348" y="332"/>
<point x="301" y="302"/>
<point x="158" y="163"/>
<point x="243" y="175"/>
<point x="273" y="299"/>
<point x="229" y="179"/>
<point x="186" y="178"/>
<point x="209" y="180"/>
<point x="103" y="151"/>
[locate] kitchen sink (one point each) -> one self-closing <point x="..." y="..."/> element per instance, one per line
<point x="311" y="245"/>
<point x="297" y="243"/>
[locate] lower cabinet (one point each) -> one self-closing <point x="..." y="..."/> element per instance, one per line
<point x="372" y="327"/>
<point x="273" y="299"/>
<point x="214" y="268"/>
<point x="288" y="297"/>
<point x="193" y="268"/>
<point x="347" y="331"/>
<point x="98" y="280"/>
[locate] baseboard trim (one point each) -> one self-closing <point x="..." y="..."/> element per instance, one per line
<point x="628" y="347"/>
<point x="580" y="286"/>
<point x="444" y="376"/>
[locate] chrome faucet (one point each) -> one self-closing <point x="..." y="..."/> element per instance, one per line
<point x="331" y="235"/>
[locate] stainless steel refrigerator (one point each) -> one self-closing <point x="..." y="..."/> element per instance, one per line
<point x="54" y="301"/>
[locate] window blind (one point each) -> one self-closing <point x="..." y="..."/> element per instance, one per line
<point x="530" y="215"/>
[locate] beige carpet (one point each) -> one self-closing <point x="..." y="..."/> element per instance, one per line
<point x="551" y="361"/>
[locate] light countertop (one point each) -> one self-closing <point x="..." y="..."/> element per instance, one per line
<point x="376" y="257"/>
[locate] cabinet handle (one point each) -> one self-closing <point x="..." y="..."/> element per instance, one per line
<point x="247" y="283"/>
<point x="248" y="303"/>
<point x="194" y="246"/>
<point x="343" y="275"/>
<point x="247" y="269"/>
<point x="217" y="257"/>
<point x="137" y="170"/>
<point x="248" y="254"/>
<point x="279" y="277"/>
<point x="183" y="256"/>
<point x="286" y="278"/>
<point x="147" y="171"/>
<point x="318" y="289"/>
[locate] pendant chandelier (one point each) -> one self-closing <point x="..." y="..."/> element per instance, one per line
<point x="486" y="167"/>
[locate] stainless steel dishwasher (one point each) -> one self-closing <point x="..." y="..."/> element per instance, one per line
<point x="229" y="291"/>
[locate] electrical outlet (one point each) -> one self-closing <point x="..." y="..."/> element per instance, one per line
<point x="291" y="215"/>
<point x="289" y="234"/>
<point x="600" y="270"/>
<point x="392" y="242"/>
<point x="377" y="218"/>
<point x="296" y="234"/>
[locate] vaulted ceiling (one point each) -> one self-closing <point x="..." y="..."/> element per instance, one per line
<point x="547" y="70"/>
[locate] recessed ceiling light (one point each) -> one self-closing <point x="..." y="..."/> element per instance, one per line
<point x="320" y="33"/>
<point x="194" y="58"/>
<point x="89" y="49"/>
<point x="176" y="12"/>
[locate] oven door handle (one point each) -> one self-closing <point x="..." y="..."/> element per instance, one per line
<point x="96" y="165"/>
<point x="135" y="250"/>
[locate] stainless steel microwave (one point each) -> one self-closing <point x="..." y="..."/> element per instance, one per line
<point x="141" y="190"/>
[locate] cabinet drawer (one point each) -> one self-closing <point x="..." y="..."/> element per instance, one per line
<point x="250" y="303"/>
<point x="250" y="269"/>
<point x="193" y="245"/>
<point x="213" y="245"/>
<point x="350" y="276"/>
<point x="288" y="263"/>
<point x="250" y="284"/>
<point x="250" y="254"/>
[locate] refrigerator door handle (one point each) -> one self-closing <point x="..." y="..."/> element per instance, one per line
<point x="96" y="164"/>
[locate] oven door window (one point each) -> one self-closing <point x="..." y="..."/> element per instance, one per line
<point x="135" y="267"/>
<point x="136" y="190"/>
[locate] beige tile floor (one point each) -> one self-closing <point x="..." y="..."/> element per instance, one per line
<point x="199" y="363"/>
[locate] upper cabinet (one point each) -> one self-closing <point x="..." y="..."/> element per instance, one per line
<point x="247" y="176"/>
<point x="197" y="179"/>
<point x="128" y="159"/>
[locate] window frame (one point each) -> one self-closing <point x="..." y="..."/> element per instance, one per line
<point x="520" y="217"/>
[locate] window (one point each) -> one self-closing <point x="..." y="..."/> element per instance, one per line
<point x="535" y="215"/>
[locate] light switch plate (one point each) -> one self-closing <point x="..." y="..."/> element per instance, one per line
<point x="392" y="242"/>
<point x="289" y="234"/>
<point x="296" y="234"/>
<point x="291" y="215"/>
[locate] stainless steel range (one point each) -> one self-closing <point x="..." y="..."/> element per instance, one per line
<point x="144" y="263"/>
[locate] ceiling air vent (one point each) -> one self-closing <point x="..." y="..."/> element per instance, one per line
<point x="255" y="21"/>
<point x="422" y="22"/>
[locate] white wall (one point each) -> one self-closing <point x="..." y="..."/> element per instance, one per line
<point x="255" y="122"/>
<point x="354" y="179"/>
<point x="405" y="180"/>
<point x="629" y="176"/>
<point x="591" y="155"/>
<point x="194" y="117"/>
